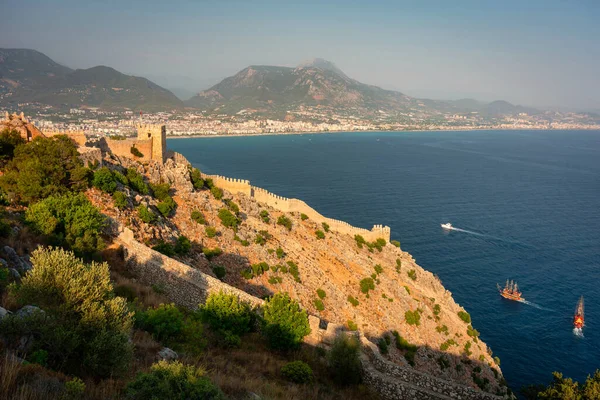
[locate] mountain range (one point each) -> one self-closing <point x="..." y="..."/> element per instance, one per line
<point x="28" y="76"/>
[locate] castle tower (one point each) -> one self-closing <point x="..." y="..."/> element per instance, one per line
<point x="158" y="135"/>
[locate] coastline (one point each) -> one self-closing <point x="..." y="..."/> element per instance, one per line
<point x="222" y="135"/>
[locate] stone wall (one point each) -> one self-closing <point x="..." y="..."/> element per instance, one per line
<point x="294" y="205"/>
<point x="90" y="155"/>
<point x="122" y="148"/>
<point x="78" y="137"/>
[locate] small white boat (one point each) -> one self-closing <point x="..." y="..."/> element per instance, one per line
<point x="447" y="225"/>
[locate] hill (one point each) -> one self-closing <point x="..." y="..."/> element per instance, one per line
<point x="28" y="76"/>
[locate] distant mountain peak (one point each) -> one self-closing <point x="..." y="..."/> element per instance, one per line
<point x="322" y="64"/>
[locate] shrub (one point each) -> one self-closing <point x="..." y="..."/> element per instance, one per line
<point x="228" y="219"/>
<point x="264" y="216"/>
<point x="173" y="380"/>
<point x="412" y="274"/>
<point x="497" y="360"/>
<point x="39" y="357"/>
<point x="262" y="237"/>
<point x="464" y="316"/>
<point x="407" y="289"/>
<point x="398" y="265"/>
<point x="320" y="234"/>
<point x="196" y="178"/>
<point x="285" y="221"/>
<point x="136" y="181"/>
<point x="164" y="322"/>
<point x="198" y="217"/>
<point x="9" y="140"/>
<point x="210" y="231"/>
<point x="226" y="312"/>
<point x="321" y="293"/>
<point x="260" y="268"/>
<point x="325" y="226"/>
<point x="104" y="180"/>
<point x="219" y="271"/>
<point x="352" y="325"/>
<point x="91" y="325"/>
<point x="280" y="253"/>
<point x="437" y="309"/>
<point x="164" y="248"/>
<point x="293" y="269"/>
<point x="182" y="245"/>
<point x="42" y="168"/>
<point x="442" y="329"/>
<point x="303" y="217"/>
<point x="378" y="269"/>
<point x="274" y="280"/>
<point x="383" y="346"/>
<point x="409" y="349"/>
<point x="446" y="345"/>
<point x="344" y="360"/>
<point x="285" y="324"/>
<point x="166" y="206"/>
<point x="467" y="349"/>
<point x="120" y="200"/>
<point x="395" y="243"/>
<point x="319" y="304"/>
<point x="70" y="220"/>
<point x="360" y="241"/>
<point x="135" y="151"/>
<point x="216" y="192"/>
<point x="210" y="253"/>
<point x="146" y="215"/>
<point x="161" y="190"/>
<point x="412" y="317"/>
<point x="119" y="177"/>
<point x="474" y="333"/>
<point x="232" y="206"/>
<point x="297" y="372"/>
<point x="367" y="284"/>
<point x="353" y="301"/>
<point x="74" y="389"/>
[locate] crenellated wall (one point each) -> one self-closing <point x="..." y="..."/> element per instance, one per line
<point x="122" y="148"/>
<point x="284" y="204"/>
<point x="76" y="136"/>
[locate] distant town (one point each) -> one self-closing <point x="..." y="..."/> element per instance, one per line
<point x="97" y="122"/>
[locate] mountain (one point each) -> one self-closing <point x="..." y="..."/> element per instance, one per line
<point x="28" y="76"/>
<point x="323" y="64"/>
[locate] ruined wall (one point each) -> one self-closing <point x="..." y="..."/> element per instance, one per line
<point x="122" y="148"/>
<point x="158" y="135"/>
<point x="78" y="137"/>
<point x="284" y="204"/>
<point x="90" y="155"/>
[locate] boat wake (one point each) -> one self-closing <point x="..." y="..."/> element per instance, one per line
<point x="534" y="305"/>
<point x="578" y="332"/>
<point x="483" y="235"/>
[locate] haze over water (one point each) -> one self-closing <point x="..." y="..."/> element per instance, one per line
<point x="528" y="201"/>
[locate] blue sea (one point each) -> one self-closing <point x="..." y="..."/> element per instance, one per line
<point x="528" y="204"/>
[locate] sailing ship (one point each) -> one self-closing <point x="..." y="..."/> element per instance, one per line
<point x="510" y="291"/>
<point x="578" y="320"/>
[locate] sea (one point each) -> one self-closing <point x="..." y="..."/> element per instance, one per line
<point x="526" y="203"/>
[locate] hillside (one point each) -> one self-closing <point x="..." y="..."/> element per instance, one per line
<point x="30" y="76"/>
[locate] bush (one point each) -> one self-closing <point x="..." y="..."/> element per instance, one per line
<point x="259" y="268"/>
<point x="344" y="361"/>
<point x="297" y="372"/>
<point x="464" y="316"/>
<point x="104" y="180"/>
<point x="303" y="217"/>
<point x="226" y="312"/>
<point x="196" y="178"/>
<point x="70" y="220"/>
<point x="85" y="328"/>
<point x="280" y="253"/>
<point x="198" y="217"/>
<point x="412" y="317"/>
<point x="173" y="380"/>
<point x="325" y="226"/>
<point x="232" y="206"/>
<point x="216" y="192"/>
<point x="42" y="168"/>
<point x="164" y="322"/>
<point x="74" y="389"/>
<point x="412" y="274"/>
<point x="395" y="243"/>
<point x="474" y="333"/>
<point x="119" y="177"/>
<point x="264" y="215"/>
<point x="228" y="219"/>
<point x="210" y="231"/>
<point x="262" y="237"/>
<point x="383" y="346"/>
<point x="285" y="221"/>
<point x="320" y="234"/>
<point x="164" y="248"/>
<point x="442" y="329"/>
<point x="353" y="301"/>
<point x="321" y="293"/>
<point x="446" y="345"/>
<point x="285" y="324"/>
<point x="409" y="349"/>
<point x="136" y="181"/>
<point x="467" y="349"/>
<point x="210" y="253"/>
<point x="182" y="245"/>
<point x="378" y="269"/>
<point x="352" y="325"/>
<point x="319" y="304"/>
<point x="398" y="265"/>
<point x="219" y="271"/>
<point x="293" y="270"/>
<point x="120" y="200"/>
<point x="437" y="309"/>
<point x="367" y="284"/>
<point x="135" y="151"/>
<point x="497" y="360"/>
<point x="146" y="215"/>
<point x="360" y="241"/>
<point x="167" y="206"/>
<point x="9" y="140"/>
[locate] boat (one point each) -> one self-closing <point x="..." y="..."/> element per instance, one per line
<point x="578" y="319"/>
<point x="510" y="291"/>
<point x="447" y="225"/>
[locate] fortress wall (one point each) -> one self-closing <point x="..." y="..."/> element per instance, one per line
<point x="122" y="148"/>
<point x="179" y="158"/>
<point x="232" y="185"/>
<point x="76" y="136"/>
<point x="90" y="155"/>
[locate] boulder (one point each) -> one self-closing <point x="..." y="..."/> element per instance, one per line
<point x="3" y="263"/>
<point x="3" y="313"/>
<point x="27" y="311"/>
<point x="26" y="263"/>
<point x="13" y="259"/>
<point x="167" y="354"/>
<point x="15" y="274"/>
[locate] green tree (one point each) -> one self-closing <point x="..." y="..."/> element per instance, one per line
<point x="41" y="168"/>
<point x="198" y="217"/>
<point x="9" y="140"/>
<point x="217" y="192"/>
<point x="105" y="180"/>
<point x="228" y="219"/>
<point x="120" y="200"/>
<point x="69" y="219"/>
<point x="285" y="324"/>
<point x="297" y="372"/>
<point x="344" y="360"/>
<point x="196" y="178"/>
<point x="136" y="181"/>
<point x="320" y="234"/>
<point x="226" y="312"/>
<point x="164" y="322"/>
<point x="146" y="215"/>
<point x="285" y="221"/>
<point x="182" y="245"/>
<point x="173" y="380"/>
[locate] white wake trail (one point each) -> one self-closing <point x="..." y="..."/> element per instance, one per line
<point x="578" y="332"/>
<point x="534" y="305"/>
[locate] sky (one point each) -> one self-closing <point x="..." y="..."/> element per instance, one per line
<point x="529" y="52"/>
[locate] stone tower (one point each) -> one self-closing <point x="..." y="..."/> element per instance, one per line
<point x="158" y="135"/>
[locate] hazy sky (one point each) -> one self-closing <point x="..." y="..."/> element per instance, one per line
<point x="532" y="52"/>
